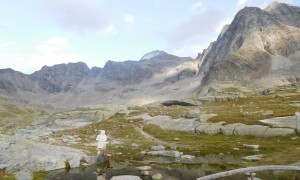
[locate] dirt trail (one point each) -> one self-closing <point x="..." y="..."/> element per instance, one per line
<point x="149" y="136"/>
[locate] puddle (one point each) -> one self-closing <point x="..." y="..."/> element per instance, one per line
<point x="169" y="168"/>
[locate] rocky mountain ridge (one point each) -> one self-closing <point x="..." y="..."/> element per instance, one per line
<point x="246" y="49"/>
<point x="261" y="47"/>
<point x="68" y="82"/>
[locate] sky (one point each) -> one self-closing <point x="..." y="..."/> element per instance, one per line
<point x="35" y="33"/>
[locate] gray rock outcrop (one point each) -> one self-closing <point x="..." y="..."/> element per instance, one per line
<point x="209" y="128"/>
<point x="242" y="130"/>
<point x="22" y="155"/>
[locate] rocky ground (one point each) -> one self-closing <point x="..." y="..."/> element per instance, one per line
<point x="205" y="134"/>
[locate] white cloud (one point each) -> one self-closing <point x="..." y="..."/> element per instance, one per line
<point x="53" y="45"/>
<point x="241" y="3"/>
<point x="53" y="51"/>
<point x="268" y="2"/>
<point x="191" y="50"/>
<point x="259" y="3"/>
<point x="194" y="34"/>
<point x="4" y="45"/>
<point x="36" y="61"/>
<point x="129" y="18"/>
<point x="110" y="29"/>
<point x="2" y="27"/>
<point x="78" y="15"/>
<point x="198" y="28"/>
<point x="195" y="7"/>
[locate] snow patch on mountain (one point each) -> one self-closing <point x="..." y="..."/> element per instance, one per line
<point x="153" y="54"/>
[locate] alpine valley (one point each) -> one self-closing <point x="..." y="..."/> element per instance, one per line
<point x="231" y="107"/>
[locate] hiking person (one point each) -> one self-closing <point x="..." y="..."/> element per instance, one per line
<point x="102" y="141"/>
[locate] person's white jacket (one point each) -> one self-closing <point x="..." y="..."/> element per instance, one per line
<point x="102" y="140"/>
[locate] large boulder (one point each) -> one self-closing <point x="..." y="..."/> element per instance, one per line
<point x="229" y="128"/>
<point x="279" y="132"/>
<point x="214" y="128"/>
<point x="195" y="113"/>
<point x="252" y="130"/>
<point x="175" y="154"/>
<point x="200" y="129"/>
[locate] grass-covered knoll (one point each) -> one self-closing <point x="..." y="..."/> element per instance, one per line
<point x="118" y="129"/>
<point x="215" y="144"/>
<point x="172" y="111"/>
<point x="13" y="117"/>
<point x="276" y="150"/>
<point x="249" y="110"/>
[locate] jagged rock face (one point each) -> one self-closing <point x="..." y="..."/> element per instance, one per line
<point x="60" y="77"/>
<point x="74" y="84"/>
<point x="244" y="49"/>
<point x="12" y="81"/>
<point x="126" y="72"/>
<point x="133" y="72"/>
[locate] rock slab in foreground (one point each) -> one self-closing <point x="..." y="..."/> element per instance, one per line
<point x="126" y="177"/>
<point x="25" y="156"/>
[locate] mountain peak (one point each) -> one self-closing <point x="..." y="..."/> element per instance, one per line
<point x="153" y="54"/>
<point x="275" y="6"/>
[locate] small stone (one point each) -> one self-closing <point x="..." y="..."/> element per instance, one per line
<point x="174" y="147"/>
<point x="143" y="152"/>
<point x="134" y="145"/>
<point x="85" y="164"/>
<point x="144" y="168"/>
<point x="176" y="139"/>
<point x="119" y="153"/>
<point x="236" y="149"/>
<point x="252" y="158"/>
<point x="145" y="173"/>
<point x="250" y="146"/>
<point x="268" y="113"/>
<point x="157" y="177"/>
<point x="249" y="174"/>
<point x="189" y="157"/>
<point x="157" y="148"/>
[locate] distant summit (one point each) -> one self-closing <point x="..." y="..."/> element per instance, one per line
<point x="259" y="43"/>
<point x="153" y="54"/>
